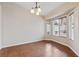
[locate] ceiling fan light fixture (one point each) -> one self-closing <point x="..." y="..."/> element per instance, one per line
<point x="36" y="10"/>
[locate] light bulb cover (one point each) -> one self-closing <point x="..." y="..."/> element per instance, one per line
<point x="39" y="9"/>
<point x="32" y="10"/>
<point x="37" y="13"/>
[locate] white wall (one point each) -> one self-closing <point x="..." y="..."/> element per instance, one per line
<point x="74" y="44"/>
<point x="19" y="26"/>
<point x="0" y="26"/>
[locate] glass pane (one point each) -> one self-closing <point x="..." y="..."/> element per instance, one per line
<point x="48" y="27"/>
<point x="55" y="25"/>
<point x="63" y="27"/>
<point x="71" y="27"/>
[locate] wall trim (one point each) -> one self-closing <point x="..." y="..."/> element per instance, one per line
<point x="65" y="45"/>
<point x="19" y="44"/>
<point x="73" y="50"/>
<point x="39" y="40"/>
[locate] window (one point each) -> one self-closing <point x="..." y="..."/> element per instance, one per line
<point x="48" y="28"/>
<point x="57" y="27"/>
<point x="71" y="26"/>
<point x="63" y="26"/>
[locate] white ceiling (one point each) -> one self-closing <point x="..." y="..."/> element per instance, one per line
<point x="45" y="6"/>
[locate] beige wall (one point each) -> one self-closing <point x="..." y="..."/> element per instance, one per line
<point x="74" y="43"/>
<point x="0" y="27"/>
<point x="20" y="26"/>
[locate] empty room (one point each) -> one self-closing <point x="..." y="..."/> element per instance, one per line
<point x="39" y="29"/>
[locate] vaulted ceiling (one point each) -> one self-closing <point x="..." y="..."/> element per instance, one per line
<point x="45" y="6"/>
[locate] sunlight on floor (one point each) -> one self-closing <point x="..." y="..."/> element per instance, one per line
<point x="52" y="51"/>
<point x="48" y="50"/>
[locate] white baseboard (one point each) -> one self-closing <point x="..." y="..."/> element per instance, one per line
<point x="58" y="42"/>
<point x="19" y="44"/>
<point x="73" y="50"/>
<point x="39" y="40"/>
<point x="65" y="45"/>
